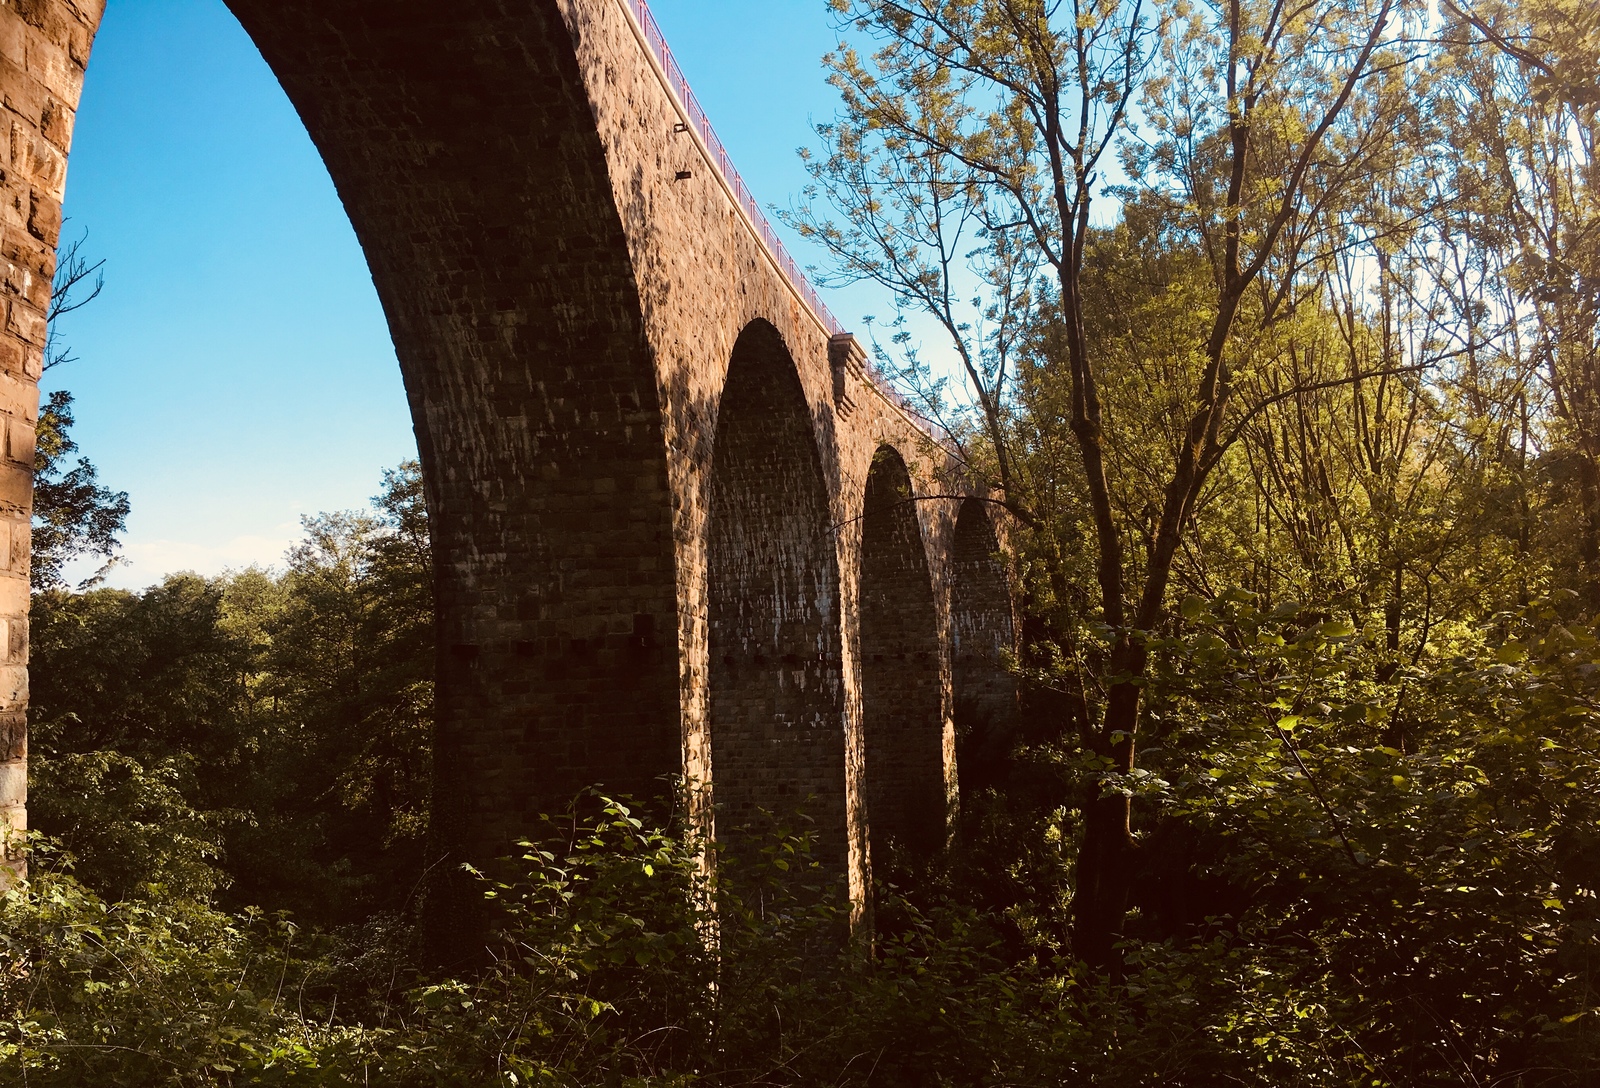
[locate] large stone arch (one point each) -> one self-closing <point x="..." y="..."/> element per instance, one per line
<point x="556" y="238"/>
<point x="776" y="700"/>
<point x="902" y="699"/>
<point x="982" y="633"/>
<point x="462" y="143"/>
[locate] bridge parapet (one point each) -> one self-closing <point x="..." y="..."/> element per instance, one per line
<point x="715" y="153"/>
<point x="698" y="122"/>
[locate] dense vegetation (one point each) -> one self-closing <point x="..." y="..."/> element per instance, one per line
<point x="1294" y="412"/>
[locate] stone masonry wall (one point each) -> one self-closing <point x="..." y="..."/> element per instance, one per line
<point x="44" y="48"/>
<point x="462" y="143"/>
<point x="704" y="277"/>
<point x="776" y="693"/>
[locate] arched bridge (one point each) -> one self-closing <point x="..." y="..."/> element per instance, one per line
<point x="677" y="527"/>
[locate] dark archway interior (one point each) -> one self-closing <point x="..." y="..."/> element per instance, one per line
<point x="900" y="691"/>
<point x="981" y="633"/>
<point x="776" y="698"/>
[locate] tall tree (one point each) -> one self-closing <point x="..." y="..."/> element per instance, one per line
<point x="74" y="515"/>
<point x="1522" y="102"/>
<point x="973" y="153"/>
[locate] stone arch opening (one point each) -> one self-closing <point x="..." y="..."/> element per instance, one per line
<point x="776" y="699"/>
<point x="463" y="146"/>
<point x="901" y="691"/>
<point x="982" y="632"/>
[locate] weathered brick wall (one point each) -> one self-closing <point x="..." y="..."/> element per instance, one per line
<point x="44" y="48"/>
<point x="647" y="462"/>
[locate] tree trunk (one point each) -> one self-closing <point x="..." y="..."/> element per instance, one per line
<point x="1105" y="876"/>
<point x="1589" y="533"/>
<point x="1107" y="856"/>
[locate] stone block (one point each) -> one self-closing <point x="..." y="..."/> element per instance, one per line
<point x="19" y="396"/>
<point x="88" y="14"/>
<point x="39" y="14"/>
<point x="14" y="208"/>
<point x="44" y="217"/>
<point x="21" y="248"/>
<point x="13" y="43"/>
<point x="21" y="437"/>
<point x="56" y="123"/>
<point x="14" y="595"/>
<point x="50" y="62"/>
<point x="13" y="784"/>
<point x="37" y="162"/>
<point x="20" y="531"/>
<point x="20" y="92"/>
<point x="13" y="735"/>
<point x="16" y="496"/>
<point x="25" y="321"/>
<point x="20" y="280"/>
<point x="13" y="687"/>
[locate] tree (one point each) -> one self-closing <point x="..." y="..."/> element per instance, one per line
<point x="1521" y="97"/>
<point x="279" y="720"/>
<point x="347" y="668"/>
<point x="972" y="156"/>
<point x="74" y="515"/>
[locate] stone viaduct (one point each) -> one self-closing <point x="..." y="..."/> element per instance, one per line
<point x="678" y="529"/>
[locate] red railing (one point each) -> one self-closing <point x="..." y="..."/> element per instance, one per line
<point x="657" y="42"/>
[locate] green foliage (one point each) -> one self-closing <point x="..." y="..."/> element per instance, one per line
<point x="136" y="833"/>
<point x="1423" y="845"/>
<point x="73" y="513"/>
<point x="612" y="969"/>
<point x="277" y="723"/>
<point x="163" y="992"/>
<point x="1324" y="908"/>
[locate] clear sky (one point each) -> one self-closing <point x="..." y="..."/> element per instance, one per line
<point x="237" y="372"/>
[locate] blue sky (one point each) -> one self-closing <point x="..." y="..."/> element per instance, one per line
<point x="237" y="372"/>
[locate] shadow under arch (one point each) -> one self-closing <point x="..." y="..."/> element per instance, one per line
<point x="982" y="629"/>
<point x="901" y="689"/>
<point x="776" y="699"/>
